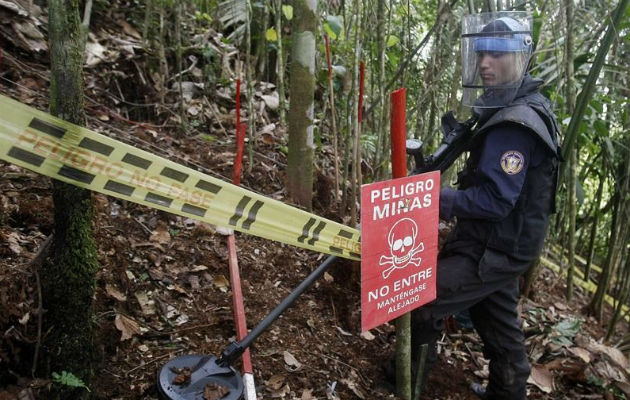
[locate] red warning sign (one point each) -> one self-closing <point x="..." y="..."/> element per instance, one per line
<point x="399" y="245"/>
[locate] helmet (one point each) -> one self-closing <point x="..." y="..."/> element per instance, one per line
<point x="496" y="48"/>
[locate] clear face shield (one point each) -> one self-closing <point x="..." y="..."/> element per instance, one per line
<point x="496" y="48"/>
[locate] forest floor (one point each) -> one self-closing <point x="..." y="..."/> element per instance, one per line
<point x="163" y="284"/>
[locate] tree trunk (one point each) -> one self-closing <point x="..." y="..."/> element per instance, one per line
<point x="250" y="91"/>
<point x="356" y="129"/>
<point x="571" y="194"/>
<point x="596" y="305"/>
<point x="68" y="279"/>
<point x="623" y="275"/>
<point x="333" y="119"/>
<point x="593" y="233"/>
<point x="261" y="46"/>
<point x="622" y="294"/>
<point x="179" y="63"/>
<point x="572" y="215"/>
<point x="301" y="111"/>
<point x="383" y="29"/>
<point x="280" y="63"/>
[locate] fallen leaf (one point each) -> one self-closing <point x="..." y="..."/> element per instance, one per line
<point x="182" y="377"/>
<point x="95" y="53"/>
<point x="146" y="305"/>
<point x="193" y="280"/>
<point x="292" y="363"/>
<point x="328" y="278"/>
<point x="345" y="333"/>
<point x="610" y="371"/>
<point x="194" y="110"/>
<point x="560" y="306"/>
<point x="13" y="241"/>
<point x="115" y="293"/>
<point x="282" y="392"/>
<point x="214" y="391"/>
<point x="367" y="335"/>
<point x="178" y="289"/>
<point x="624" y="387"/>
<point x="25" y="318"/>
<point x="542" y="378"/>
<point x="221" y="282"/>
<point x="182" y="319"/>
<point x="276" y="381"/>
<point x="307" y="394"/>
<point x="272" y="101"/>
<point x="127" y="326"/>
<point x="26" y="394"/>
<point x="581" y="353"/>
<point x="354" y="387"/>
<point x="612" y="353"/>
<point x="267" y="129"/>
<point x="197" y="268"/>
<point x="160" y="234"/>
<point x="267" y="138"/>
<point x="129" y="30"/>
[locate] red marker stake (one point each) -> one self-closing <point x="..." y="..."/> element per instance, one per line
<point x="240" y="148"/>
<point x="235" y="277"/>
<point x="398" y="115"/>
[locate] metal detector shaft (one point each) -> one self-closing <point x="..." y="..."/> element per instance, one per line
<point x="235" y="349"/>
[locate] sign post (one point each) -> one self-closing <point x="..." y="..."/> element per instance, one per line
<point x="399" y="220"/>
<point x="399" y="246"/>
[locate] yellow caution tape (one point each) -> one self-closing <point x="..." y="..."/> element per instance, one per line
<point x="70" y="153"/>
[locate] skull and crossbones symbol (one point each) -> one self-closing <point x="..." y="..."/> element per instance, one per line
<point x="403" y="246"/>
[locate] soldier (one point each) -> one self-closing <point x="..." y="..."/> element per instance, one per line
<point x="505" y="196"/>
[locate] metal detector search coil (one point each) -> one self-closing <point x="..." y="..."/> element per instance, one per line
<point x="50" y="146"/>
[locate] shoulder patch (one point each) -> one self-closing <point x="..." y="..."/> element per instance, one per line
<point x="512" y="162"/>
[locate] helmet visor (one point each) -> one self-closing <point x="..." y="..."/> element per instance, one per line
<point x="496" y="48"/>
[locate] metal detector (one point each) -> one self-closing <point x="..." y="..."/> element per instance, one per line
<point x="218" y="373"/>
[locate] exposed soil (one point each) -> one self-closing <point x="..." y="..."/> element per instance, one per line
<point x="163" y="286"/>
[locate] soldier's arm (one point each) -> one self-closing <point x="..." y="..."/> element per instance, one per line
<point x="507" y="153"/>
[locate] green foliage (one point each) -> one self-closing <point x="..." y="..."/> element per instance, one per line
<point x="271" y="35"/>
<point x="287" y="10"/>
<point x="564" y="331"/>
<point x="203" y="17"/>
<point x="208" y="138"/>
<point x="392" y="40"/>
<point x="333" y="26"/>
<point x="233" y="14"/>
<point x="68" y="379"/>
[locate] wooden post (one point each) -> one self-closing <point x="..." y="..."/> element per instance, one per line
<point x="398" y="125"/>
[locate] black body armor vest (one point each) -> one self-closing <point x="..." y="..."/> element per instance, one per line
<point x="521" y="234"/>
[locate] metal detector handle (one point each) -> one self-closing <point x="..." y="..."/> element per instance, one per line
<point x="236" y="349"/>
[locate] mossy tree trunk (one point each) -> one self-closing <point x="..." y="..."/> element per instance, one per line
<point x="301" y="102"/>
<point x="68" y="277"/>
<point x="280" y="61"/>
